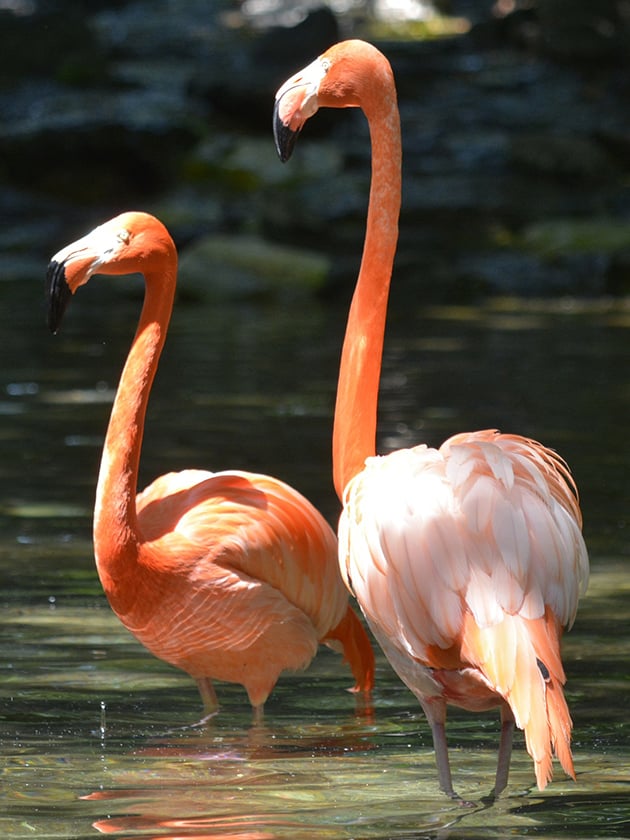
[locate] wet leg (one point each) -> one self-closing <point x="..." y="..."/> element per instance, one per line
<point x="505" y="749"/>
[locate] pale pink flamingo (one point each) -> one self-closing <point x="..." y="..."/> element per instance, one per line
<point x="230" y="575"/>
<point x="467" y="560"/>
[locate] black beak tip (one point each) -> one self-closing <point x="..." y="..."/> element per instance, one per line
<point x="284" y="136"/>
<point x="58" y="294"/>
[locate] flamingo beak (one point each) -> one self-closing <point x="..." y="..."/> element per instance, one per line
<point x="75" y="264"/>
<point x="296" y="101"/>
<point x="283" y="135"/>
<point x="58" y="293"/>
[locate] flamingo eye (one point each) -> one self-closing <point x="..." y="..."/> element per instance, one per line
<point x="325" y="65"/>
<point x="123" y="236"/>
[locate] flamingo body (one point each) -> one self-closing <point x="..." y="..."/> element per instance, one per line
<point x="230" y="581"/>
<point x="468" y="560"/>
<point x="228" y="575"/>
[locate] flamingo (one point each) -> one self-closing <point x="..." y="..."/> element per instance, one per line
<point x="230" y="575"/>
<point x="468" y="560"/>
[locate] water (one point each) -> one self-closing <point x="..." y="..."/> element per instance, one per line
<point x="97" y="736"/>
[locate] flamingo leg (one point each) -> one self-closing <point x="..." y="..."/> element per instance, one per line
<point x="440" y="746"/>
<point x="505" y="750"/>
<point x="436" y="716"/>
<point x="208" y="696"/>
<point x="435" y="710"/>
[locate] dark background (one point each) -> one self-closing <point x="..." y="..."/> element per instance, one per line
<point x="515" y="127"/>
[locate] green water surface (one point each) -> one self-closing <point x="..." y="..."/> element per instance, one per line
<point x="97" y="736"/>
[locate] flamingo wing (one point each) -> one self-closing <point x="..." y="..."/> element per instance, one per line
<point x="236" y="559"/>
<point x="253" y="525"/>
<point x="485" y="527"/>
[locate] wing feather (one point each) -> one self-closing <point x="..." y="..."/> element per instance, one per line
<point x="253" y="525"/>
<point x="237" y="578"/>
<point x="486" y="525"/>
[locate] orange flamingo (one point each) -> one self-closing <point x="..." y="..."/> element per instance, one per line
<point x="230" y="575"/>
<point x="467" y="560"/>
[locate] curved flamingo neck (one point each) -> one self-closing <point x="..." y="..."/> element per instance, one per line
<point x="354" y="432"/>
<point x="116" y="533"/>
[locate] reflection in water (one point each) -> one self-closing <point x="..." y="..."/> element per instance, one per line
<point x="198" y="768"/>
<point x="253" y="387"/>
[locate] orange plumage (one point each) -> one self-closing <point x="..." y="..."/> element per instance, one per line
<point x="229" y="575"/>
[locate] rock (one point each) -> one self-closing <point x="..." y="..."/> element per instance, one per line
<point x="525" y="274"/>
<point x="562" y="156"/>
<point x="238" y="267"/>
<point x="580" y="30"/>
<point x="93" y="145"/>
<point x="32" y="228"/>
<point x="248" y="163"/>
<point x="241" y="84"/>
<point x="188" y="212"/>
<point x="166" y="107"/>
<point x="560" y="237"/>
<point x="49" y="44"/>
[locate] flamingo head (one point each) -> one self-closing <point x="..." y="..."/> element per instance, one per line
<point x="348" y="75"/>
<point x="296" y="101"/>
<point x="123" y="245"/>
